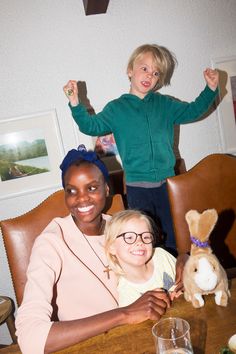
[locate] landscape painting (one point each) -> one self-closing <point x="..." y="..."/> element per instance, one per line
<point x="30" y="154"/>
<point x="22" y="154"/>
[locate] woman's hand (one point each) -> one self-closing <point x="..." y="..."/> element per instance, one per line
<point x="178" y="286"/>
<point x="151" y="305"/>
<point x="212" y="78"/>
<point x="71" y="92"/>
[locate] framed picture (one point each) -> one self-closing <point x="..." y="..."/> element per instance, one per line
<point x="31" y="151"/>
<point x="226" y="109"/>
<point x="105" y="146"/>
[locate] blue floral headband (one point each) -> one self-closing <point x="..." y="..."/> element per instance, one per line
<point x="81" y="154"/>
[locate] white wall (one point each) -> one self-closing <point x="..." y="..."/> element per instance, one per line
<point x="43" y="44"/>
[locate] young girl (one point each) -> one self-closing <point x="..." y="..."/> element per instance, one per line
<point x="129" y="248"/>
<point x="142" y="122"/>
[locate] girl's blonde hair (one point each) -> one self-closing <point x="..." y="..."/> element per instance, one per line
<point x="113" y="229"/>
<point x="163" y="58"/>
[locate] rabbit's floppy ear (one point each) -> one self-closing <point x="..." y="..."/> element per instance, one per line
<point x="207" y="222"/>
<point x="201" y="225"/>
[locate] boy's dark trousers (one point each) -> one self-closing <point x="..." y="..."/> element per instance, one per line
<point x="154" y="202"/>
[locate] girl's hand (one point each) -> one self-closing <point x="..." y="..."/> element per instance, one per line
<point x="212" y="78"/>
<point x="71" y="92"/>
<point x="151" y="305"/>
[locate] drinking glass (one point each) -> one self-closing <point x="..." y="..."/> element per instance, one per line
<point x="172" y="336"/>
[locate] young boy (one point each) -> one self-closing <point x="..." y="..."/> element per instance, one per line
<point x="142" y="122"/>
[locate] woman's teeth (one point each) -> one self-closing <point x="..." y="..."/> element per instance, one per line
<point x="85" y="209"/>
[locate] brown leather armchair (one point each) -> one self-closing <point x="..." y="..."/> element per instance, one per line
<point x="209" y="184"/>
<point x="19" y="233"/>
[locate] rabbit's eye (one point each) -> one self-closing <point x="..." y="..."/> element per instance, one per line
<point x="195" y="270"/>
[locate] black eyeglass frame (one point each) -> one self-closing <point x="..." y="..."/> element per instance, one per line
<point x="140" y="235"/>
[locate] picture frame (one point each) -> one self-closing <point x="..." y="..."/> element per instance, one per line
<point x="104" y="146"/>
<point x="226" y="109"/>
<point x="31" y="151"/>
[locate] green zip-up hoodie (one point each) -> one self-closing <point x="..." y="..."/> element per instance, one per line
<point x="144" y="130"/>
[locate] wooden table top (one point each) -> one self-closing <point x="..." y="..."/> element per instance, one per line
<point x="211" y="327"/>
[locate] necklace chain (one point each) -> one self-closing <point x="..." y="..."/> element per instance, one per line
<point x="107" y="268"/>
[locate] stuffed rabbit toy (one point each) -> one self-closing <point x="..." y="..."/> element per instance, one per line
<point x="203" y="274"/>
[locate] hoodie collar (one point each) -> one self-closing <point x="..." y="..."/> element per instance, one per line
<point x="132" y="97"/>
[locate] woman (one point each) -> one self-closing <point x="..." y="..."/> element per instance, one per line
<point x="68" y="266"/>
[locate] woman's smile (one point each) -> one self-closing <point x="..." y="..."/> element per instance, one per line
<point x="85" y="209"/>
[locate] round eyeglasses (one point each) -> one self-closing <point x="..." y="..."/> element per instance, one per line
<point x="131" y="237"/>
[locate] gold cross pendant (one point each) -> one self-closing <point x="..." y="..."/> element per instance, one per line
<point x="107" y="270"/>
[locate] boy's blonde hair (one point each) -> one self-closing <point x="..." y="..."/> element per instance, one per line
<point x="113" y="229"/>
<point x="164" y="60"/>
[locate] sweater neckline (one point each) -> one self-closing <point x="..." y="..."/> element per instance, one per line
<point x="136" y="98"/>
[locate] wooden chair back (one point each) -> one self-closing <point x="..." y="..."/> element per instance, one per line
<point x="20" y="232"/>
<point x="209" y="184"/>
